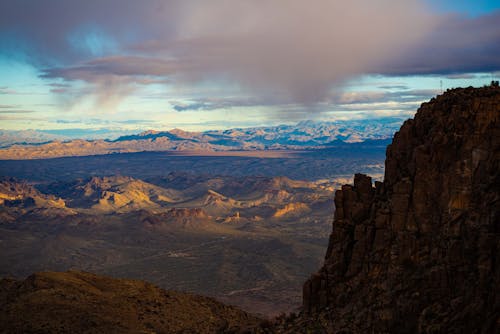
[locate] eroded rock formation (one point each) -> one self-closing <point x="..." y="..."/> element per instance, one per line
<point x="419" y="252"/>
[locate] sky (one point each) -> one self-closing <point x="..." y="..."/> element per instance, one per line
<point x="128" y="66"/>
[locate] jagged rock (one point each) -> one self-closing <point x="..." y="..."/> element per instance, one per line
<point x="419" y="253"/>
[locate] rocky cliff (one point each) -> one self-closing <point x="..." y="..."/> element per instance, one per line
<point x="419" y="252"/>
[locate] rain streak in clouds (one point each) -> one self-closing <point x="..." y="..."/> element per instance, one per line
<point x="293" y="49"/>
<point x="290" y="51"/>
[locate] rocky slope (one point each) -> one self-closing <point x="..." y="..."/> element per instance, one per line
<point x="419" y="252"/>
<point x="78" y="302"/>
<point x="16" y="196"/>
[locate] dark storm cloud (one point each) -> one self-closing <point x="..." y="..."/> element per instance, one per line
<point x="297" y="50"/>
<point x="461" y="76"/>
<point x="208" y="104"/>
<point x="391" y="87"/>
<point x="55" y="30"/>
<point x="458" y="45"/>
<point x="403" y="98"/>
<point x="118" y="66"/>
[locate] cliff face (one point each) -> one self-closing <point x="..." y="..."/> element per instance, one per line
<point x="419" y="252"/>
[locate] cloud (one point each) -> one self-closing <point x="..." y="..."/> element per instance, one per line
<point x="98" y="121"/>
<point x="7" y="91"/>
<point x="297" y="49"/>
<point x="404" y="99"/>
<point x="369" y="97"/>
<point x="16" y="111"/>
<point x="59" y="88"/>
<point x="391" y="87"/>
<point x="63" y="32"/>
<point x="110" y="78"/>
<point x="402" y="103"/>
<point x="221" y="103"/>
<point x="117" y="66"/>
<point x="458" y="45"/>
<point x="465" y="76"/>
<point x="300" y="50"/>
<point x="19" y="118"/>
<point x="293" y="52"/>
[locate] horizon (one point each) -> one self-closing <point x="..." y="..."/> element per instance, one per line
<point x="174" y="64"/>
<point x="253" y="166"/>
<point x="115" y="133"/>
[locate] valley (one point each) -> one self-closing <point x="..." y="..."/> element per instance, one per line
<point x="337" y="161"/>
<point x="249" y="167"/>
<point x="403" y="256"/>
<point x="245" y="227"/>
<point x="248" y="241"/>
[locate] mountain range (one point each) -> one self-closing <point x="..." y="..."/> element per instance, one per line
<point x="304" y="135"/>
<point x="417" y="252"/>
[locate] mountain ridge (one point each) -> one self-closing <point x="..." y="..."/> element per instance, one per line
<point x="418" y="253"/>
<point x="304" y="135"/>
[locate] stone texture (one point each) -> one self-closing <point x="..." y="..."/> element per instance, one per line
<point x="420" y="251"/>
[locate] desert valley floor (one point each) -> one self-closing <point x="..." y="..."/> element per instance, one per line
<point x="243" y="227"/>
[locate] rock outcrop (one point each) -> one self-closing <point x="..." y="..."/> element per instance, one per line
<point x="17" y="194"/>
<point x="419" y="252"/>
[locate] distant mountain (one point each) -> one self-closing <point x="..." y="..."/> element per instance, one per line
<point x="304" y="135"/>
<point x="26" y="137"/>
<point x="36" y="137"/>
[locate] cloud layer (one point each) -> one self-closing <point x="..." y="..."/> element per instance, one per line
<point x="293" y="51"/>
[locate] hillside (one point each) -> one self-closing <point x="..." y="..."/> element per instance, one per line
<point x="79" y="302"/>
<point x="419" y="252"/>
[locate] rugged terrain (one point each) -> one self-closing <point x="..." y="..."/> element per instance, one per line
<point x="249" y="241"/>
<point x="304" y="135"/>
<point x="78" y="302"/>
<point x="232" y="227"/>
<point x="419" y="252"/>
